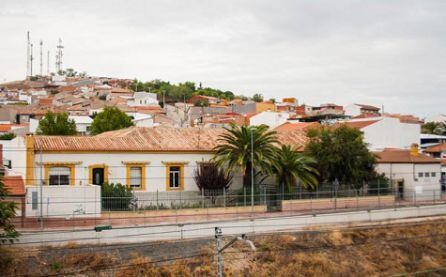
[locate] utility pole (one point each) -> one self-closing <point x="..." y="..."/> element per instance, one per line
<point x="252" y="170"/>
<point x="220" y="249"/>
<point x="48" y="63"/>
<point x="59" y="56"/>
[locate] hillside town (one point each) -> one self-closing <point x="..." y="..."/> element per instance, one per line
<point x="171" y="136"/>
<point x="222" y="138"/>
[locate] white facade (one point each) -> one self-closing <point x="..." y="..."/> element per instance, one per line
<point x="63" y="201"/>
<point x="419" y="181"/>
<point x="14" y="154"/>
<point x="141" y="120"/>
<point x="389" y="132"/>
<point x="271" y="119"/>
<point x="155" y="170"/>
<point x="83" y="124"/>
<point x="352" y="110"/>
<point x="142" y="98"/>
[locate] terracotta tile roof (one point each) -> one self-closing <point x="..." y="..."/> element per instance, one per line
<point x="368" y="107"/>
<point x="303" y="126"/>
<point x="403" y="156"/>
<point x="357" y="124"/>
<point x="135" y="139"/>
<point x="160" y="138"/>
<point x="443" y="162"/>
<point x="436" y="148"/>
<point x="15" y="185"/>
<point x="5" y="127"/>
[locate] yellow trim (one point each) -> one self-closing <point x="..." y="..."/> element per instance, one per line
<point x="90" y="172"/>
<point x="30" y="143"/>
<point x="143" y="174"/>
<point x="71" y="166"/>
<point x="181" y="166"/>
<point x="57" y="163"/>
<point x="135" y="162"/>
<point x="175" y="162"/>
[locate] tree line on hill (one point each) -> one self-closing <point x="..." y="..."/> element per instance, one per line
<point x="182" y="91"/>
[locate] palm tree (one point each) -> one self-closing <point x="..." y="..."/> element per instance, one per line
<point x="234" y="150"/>
<point x="291" y="166"/>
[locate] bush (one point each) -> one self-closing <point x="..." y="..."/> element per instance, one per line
<point x="117" y="197"/>
<point x="7" y="136"/>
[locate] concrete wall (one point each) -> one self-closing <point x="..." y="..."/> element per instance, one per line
<point x="421" y="188"/>
<point x="64" y="201"/>
<point x="352" y="110"/>
<point x="272" y="119"/>
<point x="391" y="133"/>
<point x="339" y="203"/>
<point x="155" y="169"/>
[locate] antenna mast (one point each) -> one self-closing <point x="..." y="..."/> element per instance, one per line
<point x="48" y="63"/>
<point x="59" y="56"/>
<point x="41" y="58"/>
<point x="27" y="55"/>
<point x="31" y="58"/>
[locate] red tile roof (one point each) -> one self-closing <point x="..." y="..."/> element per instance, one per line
<point x="302" y="126"/>
<point x="436" y="148"/>
<point x="357" y="124"/>
<point x="156" y="139"/>
<point x="403" y="156"/>
<point x="14" y="185"/>
<point x="368" y="107"/>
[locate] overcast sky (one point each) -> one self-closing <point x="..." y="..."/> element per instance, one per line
<point x="390" y="53"/>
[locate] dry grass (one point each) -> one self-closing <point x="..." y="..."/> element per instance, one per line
<point x="368" y="252"/>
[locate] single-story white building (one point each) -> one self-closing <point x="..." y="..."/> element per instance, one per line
<point x="414" y="176"/>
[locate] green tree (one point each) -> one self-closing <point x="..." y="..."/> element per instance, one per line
<point x="116" y="197"/>
<point x="257" y="97"/>
<point x="56" y="124"/>
<point x="7" y="136"/>
<point x="7" y="213"/>
<point x="341" y="155"/>
<point x="111" y="118"/>
<point x="234" y="150"/>
<point x="435" y="128"/>
<point x="291" y="167"/>
<point x="202" y="103"/>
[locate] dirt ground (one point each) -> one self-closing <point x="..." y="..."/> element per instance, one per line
<point x="385" y="250"/>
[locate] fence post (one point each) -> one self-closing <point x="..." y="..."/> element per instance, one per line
<point x="202" y="198"/>
<point x="357" y="201"/>
<point x="181" y="200"/>
<point x="244" y="194"/>
<point x="224" y="197"/>
<point x="434" y="197"/>
<point x="157" y="200"/>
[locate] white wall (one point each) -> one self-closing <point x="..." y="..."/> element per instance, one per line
<point x="155" y="171"/>
<point x="64" y="201"/>
<point x="272" y="119"/>
<point x="414" y="186"/>
<point x="14" y="150"/>
<point x="391" y="133"/>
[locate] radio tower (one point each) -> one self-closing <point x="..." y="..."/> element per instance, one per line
<point x="48" y="63"/>
<point x="27" y="55"/>
<point x="41" y="58"/>
<point x="31" y="59"/>
<point x="59" y="56"/>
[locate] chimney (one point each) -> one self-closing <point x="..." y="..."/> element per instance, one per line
<point x="414" y="150"/>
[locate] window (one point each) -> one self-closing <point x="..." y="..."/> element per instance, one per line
<point x="420" y="174"/>
<point x="174" y="177"/>
<point x="433" y="174"/>
<point x="426" y="174"/>
<point x="136" y="177"/>
<point x="59" y="176"/>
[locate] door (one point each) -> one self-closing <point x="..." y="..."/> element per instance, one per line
<point x="400" y="187"/>
<point x="98" y="176"/>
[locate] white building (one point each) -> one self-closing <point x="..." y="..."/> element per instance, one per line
<point x="142" y="98"/>
<point x="386" y="132"/>
<point x="83" y="124"/>
<point x="271" y="119"/>
<point x="354" y="110"/>
<point x="141" y="119"/>
<point x="414" y="176"/>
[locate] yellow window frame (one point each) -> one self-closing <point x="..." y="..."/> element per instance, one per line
<point x="143" y="174"/>
<point x="168" y="166"/>
<point x="71" y="166"/>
